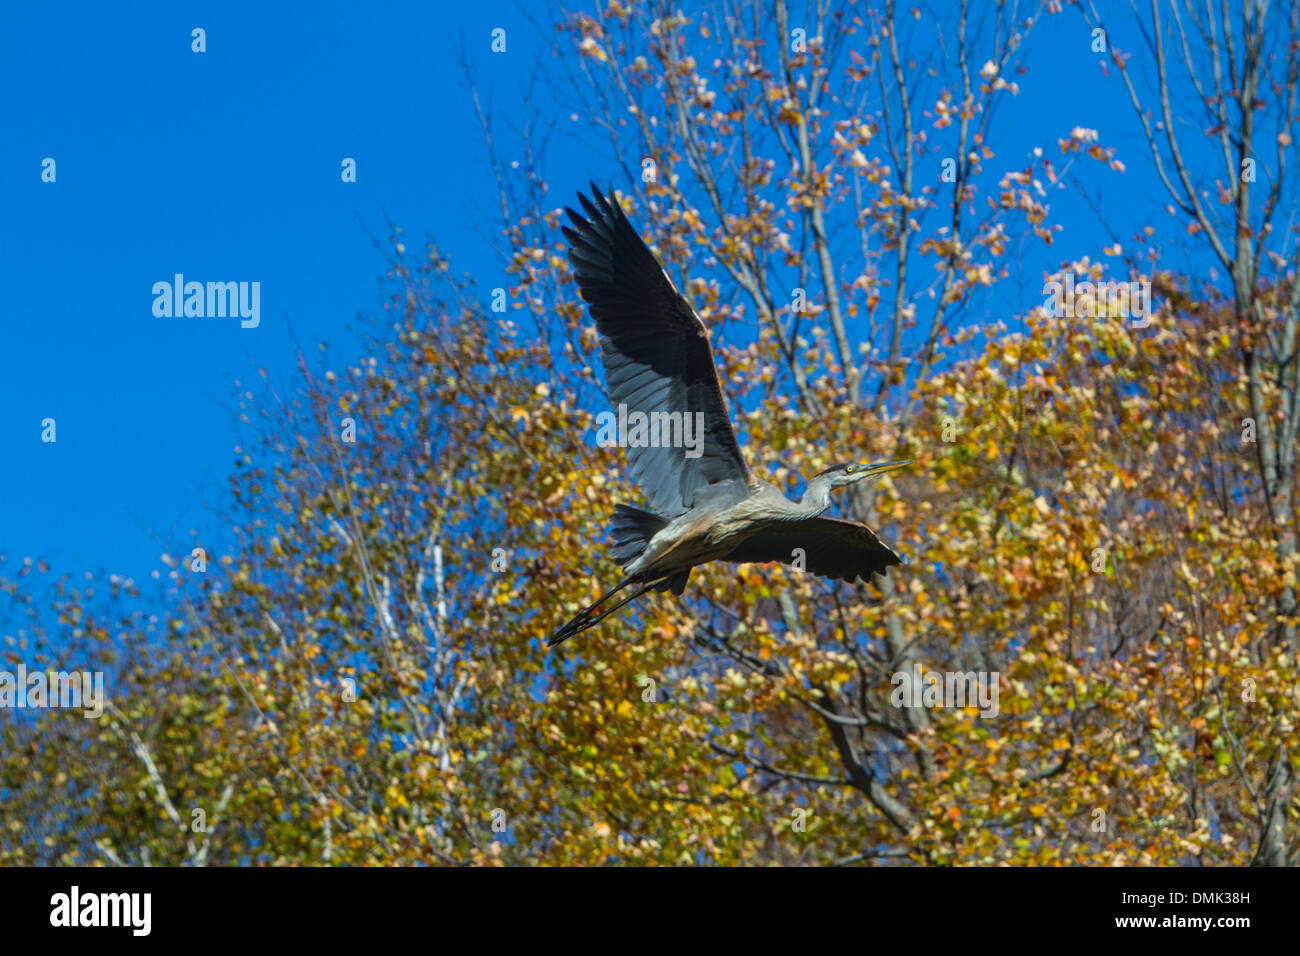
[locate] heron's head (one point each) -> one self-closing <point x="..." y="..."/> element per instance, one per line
<point x="837" y="476"/>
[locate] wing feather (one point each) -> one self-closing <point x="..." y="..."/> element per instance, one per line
<point x="831" y="547"/>
<point x="656" y="354"/>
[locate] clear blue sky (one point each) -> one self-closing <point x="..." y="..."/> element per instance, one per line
<point x="225" y="166"/>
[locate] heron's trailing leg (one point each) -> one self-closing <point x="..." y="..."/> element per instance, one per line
<point x="574" y="623"/>
<point x="583" y="619"/>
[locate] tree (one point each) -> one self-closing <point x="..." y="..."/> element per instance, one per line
<point x="1239" y="74"/>
<point x="361" y="678"/>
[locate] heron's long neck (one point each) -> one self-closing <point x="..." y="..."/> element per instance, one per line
<point x="816" y="499"/>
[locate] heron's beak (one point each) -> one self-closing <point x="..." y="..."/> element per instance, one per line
<point x="879" y="469"/>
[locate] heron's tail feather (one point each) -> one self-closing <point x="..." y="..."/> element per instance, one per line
<point x="631" y="530"/>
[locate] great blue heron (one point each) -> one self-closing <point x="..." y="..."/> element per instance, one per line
<point x="708" y="507"/>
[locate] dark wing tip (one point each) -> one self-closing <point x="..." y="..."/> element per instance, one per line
<point x="574" y="217"/>
<point x="602" y="205"/>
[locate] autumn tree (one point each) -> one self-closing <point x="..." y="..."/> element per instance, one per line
<point x="358" y="674"/>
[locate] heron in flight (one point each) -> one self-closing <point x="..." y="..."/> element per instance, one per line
<point x="708" y="507"/>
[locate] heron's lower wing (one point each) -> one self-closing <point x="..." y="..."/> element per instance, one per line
<point x="830" y="547"/>
<point x="658" y="363"/>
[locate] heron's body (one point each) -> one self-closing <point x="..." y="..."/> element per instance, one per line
<point x="702" y="535"/>
<point x="707" y="506"/>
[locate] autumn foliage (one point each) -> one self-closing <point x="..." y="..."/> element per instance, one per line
<point x="360" y="675"/>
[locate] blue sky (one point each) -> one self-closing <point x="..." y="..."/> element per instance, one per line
<point x="225" y="166"/>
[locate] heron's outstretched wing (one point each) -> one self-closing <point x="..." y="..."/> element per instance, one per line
<point x="831" y="547"/>
<point x="657" y="356"/>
